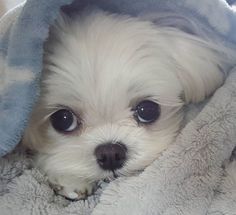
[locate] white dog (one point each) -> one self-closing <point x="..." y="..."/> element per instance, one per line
<point x="112" y="95"/>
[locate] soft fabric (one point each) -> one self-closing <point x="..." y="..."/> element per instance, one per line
<point x="188" y="178"/>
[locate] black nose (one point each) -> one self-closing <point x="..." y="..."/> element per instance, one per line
<point x="111" y="156"/>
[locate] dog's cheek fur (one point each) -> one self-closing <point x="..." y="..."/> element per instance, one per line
<point x="72" y="160"/>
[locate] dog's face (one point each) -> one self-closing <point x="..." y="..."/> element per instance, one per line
<point x="112" y="92"/>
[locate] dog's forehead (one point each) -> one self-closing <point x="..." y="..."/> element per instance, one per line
<point x="102" y="71"/>
<point x="107" y="83"/>
<point x="101" y="92"/>
<point x="107" y="88"/>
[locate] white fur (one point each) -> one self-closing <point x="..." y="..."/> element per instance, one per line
<point x="100" y="66"/>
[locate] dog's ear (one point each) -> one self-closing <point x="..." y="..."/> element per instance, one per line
<point x="201" y="62"/>
<point x="201" y="66"/>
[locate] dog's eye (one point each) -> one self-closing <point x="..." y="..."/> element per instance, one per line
<point x="64" y="120"/>
<point x="147" y="112"/>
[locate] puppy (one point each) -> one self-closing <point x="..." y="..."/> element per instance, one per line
<point x="112" y="95"/>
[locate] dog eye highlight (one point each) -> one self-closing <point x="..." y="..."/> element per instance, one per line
<point x="64" y="121"/>
<point x="147" y="112"/>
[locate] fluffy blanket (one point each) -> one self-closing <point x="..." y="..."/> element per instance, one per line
<point x="194" y="176"/>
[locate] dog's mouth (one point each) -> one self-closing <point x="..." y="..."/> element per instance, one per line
<point x="115" y="175"/>
<point x="112" y="176"/>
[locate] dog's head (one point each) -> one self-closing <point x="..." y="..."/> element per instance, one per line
<point x="112" y="92"/>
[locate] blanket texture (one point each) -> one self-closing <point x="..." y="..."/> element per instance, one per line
<point x="194" y="176"/>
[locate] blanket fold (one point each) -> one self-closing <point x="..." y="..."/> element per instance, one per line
<point x="192" y="177"/>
